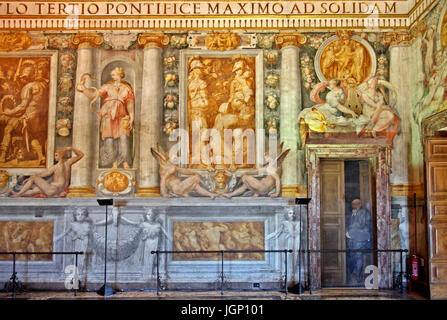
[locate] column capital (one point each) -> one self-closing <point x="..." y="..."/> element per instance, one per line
<point x="87" y="40"/>
<point x="146" y="40"/>
<point x="397" y="38"/>
<point x="290" y="39"/>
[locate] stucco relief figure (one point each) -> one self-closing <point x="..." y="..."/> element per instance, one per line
<point x="345" y="58"/>
<point x="24" y="99"/>
<point x="264" y="180"/>
<point x="290" y="230"/>
<point x="59" y="177"/>
<point x="116" y="118"/>
<point x="170" y="183"/>
<point x="80" y="232"/>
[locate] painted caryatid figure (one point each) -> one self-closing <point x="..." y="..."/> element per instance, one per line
<point x="290" y="230"/>
<point x="152" y="234"/>
<point x="24" y="100"/>
<point x="80" y="233"/>
<point x="117" y="116"/>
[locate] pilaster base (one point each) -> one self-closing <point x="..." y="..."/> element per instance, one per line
<point x="294" y="191"/>
<point x="81" y="192"/>
<point x="148" y="192"/>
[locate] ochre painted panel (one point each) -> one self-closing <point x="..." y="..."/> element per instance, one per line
<point x="26" y="236"/>
<point x="212" y="236"/>
<point x="24" y="107"/>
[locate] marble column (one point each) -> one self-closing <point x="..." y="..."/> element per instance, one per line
<point x="83" y="119"/>
<point x="406" y="171"/>
<point x="290" y="104"/>
<point x="400" y="60"/>
<point x="151" y="112"/>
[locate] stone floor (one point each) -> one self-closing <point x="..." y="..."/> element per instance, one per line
<point x="324" y="294"/>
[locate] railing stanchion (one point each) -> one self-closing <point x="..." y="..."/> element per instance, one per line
<point x="76" y="280"/>
<point x="401" y="272"/>
<point x="222" y="274"/>
<point x="285" y="281"/>
<point x="14" y="275"/>
<point x="158" y="273"/>
<point x="310" y="271"/>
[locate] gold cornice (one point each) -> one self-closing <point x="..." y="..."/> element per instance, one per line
<point x="290" y="39"/>
<point x="398" y="38"/>
<point x="407" y="190"/>
<point x="81" y="192"/>
<point x="148" y="192"/>
<point x="294" y="191"/>
<point x="14" y="41"/>
<point x="147" y="40"/>
<point x="87" y="40"/>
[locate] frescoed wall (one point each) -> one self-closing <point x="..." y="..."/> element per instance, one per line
<point x="181" y="114"/>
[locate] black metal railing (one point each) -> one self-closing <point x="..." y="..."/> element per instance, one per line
<point x="310" y="252"/>
<point x="13" y="279"/>
<point x="222" y="254"/>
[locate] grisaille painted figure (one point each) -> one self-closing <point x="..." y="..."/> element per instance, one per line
<point x="290" y="229"/>
<point x="358" y="236"/>
<point x="152" y="233"/>
<point x="60" y="173"/>
<point x="170" y="182"/>
<point x="270" y="177"/>
<point x="80" y="232"/>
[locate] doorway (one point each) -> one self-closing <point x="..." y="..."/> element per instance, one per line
<point x="347" y="221"/>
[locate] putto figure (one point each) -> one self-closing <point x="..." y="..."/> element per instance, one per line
<point x="117" y="118"/>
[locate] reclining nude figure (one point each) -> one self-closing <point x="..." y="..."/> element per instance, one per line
<point x="61" y="173"/>
<point x="169" y="182"/>
<point x="271" y="177"/>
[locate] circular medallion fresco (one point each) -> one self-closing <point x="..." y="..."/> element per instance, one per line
<point x="349" y="59"/>
<point x="116" y="181"/>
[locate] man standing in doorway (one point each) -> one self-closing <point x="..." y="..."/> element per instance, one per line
<point x="359" y="236"/>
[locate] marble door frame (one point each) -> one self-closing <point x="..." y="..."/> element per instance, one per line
<point x="380" y="156"/>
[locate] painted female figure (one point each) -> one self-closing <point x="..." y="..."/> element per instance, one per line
<point x="116" y="119"/>
<point x="376" y="108"/>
